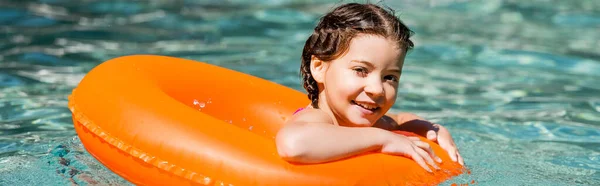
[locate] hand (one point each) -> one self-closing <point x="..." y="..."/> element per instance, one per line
<point x="444" y="139"/>
<point x="434" y="132"/>
<point x="411" y="147"/>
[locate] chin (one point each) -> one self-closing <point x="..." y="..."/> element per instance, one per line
<point x="361" y="122"/>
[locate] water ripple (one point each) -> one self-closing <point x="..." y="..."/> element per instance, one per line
<point x="516" y="82"/>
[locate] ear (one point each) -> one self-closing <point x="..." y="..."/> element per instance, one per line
<point x="317" y="69"/>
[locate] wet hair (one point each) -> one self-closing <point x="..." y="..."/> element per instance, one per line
<point x="331" y="37"/>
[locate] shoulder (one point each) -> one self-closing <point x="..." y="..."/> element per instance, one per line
<point x="310" y="115"/>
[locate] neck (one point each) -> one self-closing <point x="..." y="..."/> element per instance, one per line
<point x="325" y="108"/>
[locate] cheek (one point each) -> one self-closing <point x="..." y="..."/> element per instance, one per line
<point x="346" y="80"/>
<point x="353" y="84"/>
<point x="339" y="84"/>
<point x="391" y="92"/>
<point x="348" y="87"/>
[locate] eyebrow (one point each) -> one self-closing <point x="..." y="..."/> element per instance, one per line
<point x="364" y="62"/>
<point x="372" y="66"/>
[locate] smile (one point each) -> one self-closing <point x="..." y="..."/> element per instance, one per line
<point x="372" y="108"/>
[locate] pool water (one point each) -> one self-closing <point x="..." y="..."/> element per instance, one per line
<point x="516" y="82"/>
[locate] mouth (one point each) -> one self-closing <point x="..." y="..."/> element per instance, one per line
<point x="369" y="107"/>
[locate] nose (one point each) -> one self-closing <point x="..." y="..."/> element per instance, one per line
<point x="374" y="89"/>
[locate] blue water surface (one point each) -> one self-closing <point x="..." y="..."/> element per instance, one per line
<point x="516" y="82"/>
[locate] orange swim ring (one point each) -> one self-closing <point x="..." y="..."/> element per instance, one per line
<point x="157" y="120"/>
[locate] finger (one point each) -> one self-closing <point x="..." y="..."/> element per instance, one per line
<point x="425" y="146"/>
<point x="415" y="156"/>
<point x="460" y="159"/>
<point x="414" y="138"/>
<point x="452" y="153"/>
<point x="427" y="158"/>
<point x="431" y="135"/>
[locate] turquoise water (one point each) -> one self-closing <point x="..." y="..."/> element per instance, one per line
<point x="516" y="82"/>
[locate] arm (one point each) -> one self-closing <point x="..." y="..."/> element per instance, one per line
<point x="321" y="141"/>
<point x="311" y="137"/>
<point x="413" y="123"/>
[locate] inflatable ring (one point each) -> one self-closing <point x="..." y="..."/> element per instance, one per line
<point x="157" y="120"/>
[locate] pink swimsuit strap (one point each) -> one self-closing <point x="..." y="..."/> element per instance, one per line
<point x="300" y="109"/>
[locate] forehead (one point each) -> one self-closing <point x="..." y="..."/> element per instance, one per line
<point x="375" y="49"/>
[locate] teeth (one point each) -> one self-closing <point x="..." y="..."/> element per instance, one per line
<point x="366" y="106"/>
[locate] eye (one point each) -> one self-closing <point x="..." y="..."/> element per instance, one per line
<point x="392" y="78"/>
<point x="360" y="71"/>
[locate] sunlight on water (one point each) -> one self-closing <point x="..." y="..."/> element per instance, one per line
<point x="516" y="82"/>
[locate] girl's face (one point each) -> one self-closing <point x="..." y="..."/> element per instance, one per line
<point x="360" y="86"/>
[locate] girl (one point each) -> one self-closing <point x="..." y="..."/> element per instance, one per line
<point x="351" y="67"/>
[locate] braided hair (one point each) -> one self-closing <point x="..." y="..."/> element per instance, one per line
<point x="331" y="37"/>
